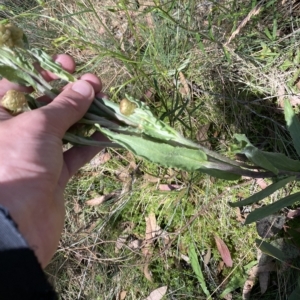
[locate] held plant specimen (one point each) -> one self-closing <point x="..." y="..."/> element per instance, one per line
<point x="131" y="125"/>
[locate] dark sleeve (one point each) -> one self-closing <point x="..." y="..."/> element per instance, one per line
<point x="21" y="276"/>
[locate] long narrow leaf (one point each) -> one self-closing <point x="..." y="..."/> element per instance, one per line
<point x="197" y="269"/>
<point x="270" y="250"/>
<point x="293" y="124"/>
<point x="257" y="157"/>
<point x="264" y="193"/>
<point x="282" y="162"/>
<point x="270" y="209"/>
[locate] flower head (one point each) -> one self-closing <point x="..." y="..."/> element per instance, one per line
<point x="11" y="36"/>
<point x="14" y="101"/>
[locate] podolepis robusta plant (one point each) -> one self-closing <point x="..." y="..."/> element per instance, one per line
<point x="130" y="124"/>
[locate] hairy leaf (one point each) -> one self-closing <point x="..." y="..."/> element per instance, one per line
<point x="48" y="64"/>
<point x="15" y="75"/>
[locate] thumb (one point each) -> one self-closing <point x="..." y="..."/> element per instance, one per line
<point x="68" y="107"/>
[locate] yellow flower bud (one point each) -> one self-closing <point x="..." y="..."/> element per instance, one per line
<point x="127" y="107"/>
<point x="11" y="36"/>
<point x="15" y="102"/>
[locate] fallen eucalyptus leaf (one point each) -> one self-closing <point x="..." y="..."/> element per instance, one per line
<point x="224" y="251"/>
<point x="158" y="293"/>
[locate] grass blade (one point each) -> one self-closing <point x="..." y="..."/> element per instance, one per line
<point x="197" y="269"/>
<point x="264" y="193"/>
<point x="265" y="211"/>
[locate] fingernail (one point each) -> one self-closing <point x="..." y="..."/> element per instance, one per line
<point x="83" y="88"/>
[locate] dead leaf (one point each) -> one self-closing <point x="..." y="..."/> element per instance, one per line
<point x="131" y="158"/>
<point x="294" y="100"/>
<point x="207" y="257"/>
<point x="185" y="258"/>
<point x="147" y="272"/>
<point x="228" y="297"/>
<point x="261" y="183"/>
<point x="239" y="216"/>
<point x="293" y="213"/>
<point x="135" y="244"/>
<point x="100" y="200"/>
<point x="280" y="95"/>
<point x="169" y="187"/>
<point x="77" y="208"/>
<point x="164" y="235"/>
<point x="100" y="159"/>
<point x="224" y="251"/>
<point x="148" y="94"/>
<point x="122" y="174"/>
<point x="220" y="267"/>
<point x="202" y="135"/>
<point x="151" y="178"/>
<point x="186" y="90"/>
<point x="122" y="295"/>
<point x="249" y="283"/>
<point x="121" y="242"/>
<point x="158" y="293"/>
<point x="151" y="227"/>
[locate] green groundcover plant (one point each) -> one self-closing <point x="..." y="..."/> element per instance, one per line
<point x="130" y="124"/>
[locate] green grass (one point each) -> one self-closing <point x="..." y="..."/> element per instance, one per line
<point x="141" y="50"/>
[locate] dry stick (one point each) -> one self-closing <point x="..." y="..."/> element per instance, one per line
<point x="254" y="11"/>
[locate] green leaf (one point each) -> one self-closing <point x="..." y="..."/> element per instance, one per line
<point x="264" y="193"/>
<point x="197" y="269"/>
<point x="242" y="138"/>
<point x="268" y="160"/>
<point x="220" y="174"/>
<point x="160" y="152"/>
<point x="270" y="250"/>
<point x="282" y="162"/>
<point x="236" y="281"/>
<point x="16" y="76"/>
<point x="270" y="209"/>
<point x="257" y="157"/>
<point x="168" y="155"/>
<point x="293" y="124"/>
<point x="48" y="64"/>
<point x="268" y="34"/>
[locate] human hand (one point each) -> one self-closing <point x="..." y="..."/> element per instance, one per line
<point x="34" y="170"/>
